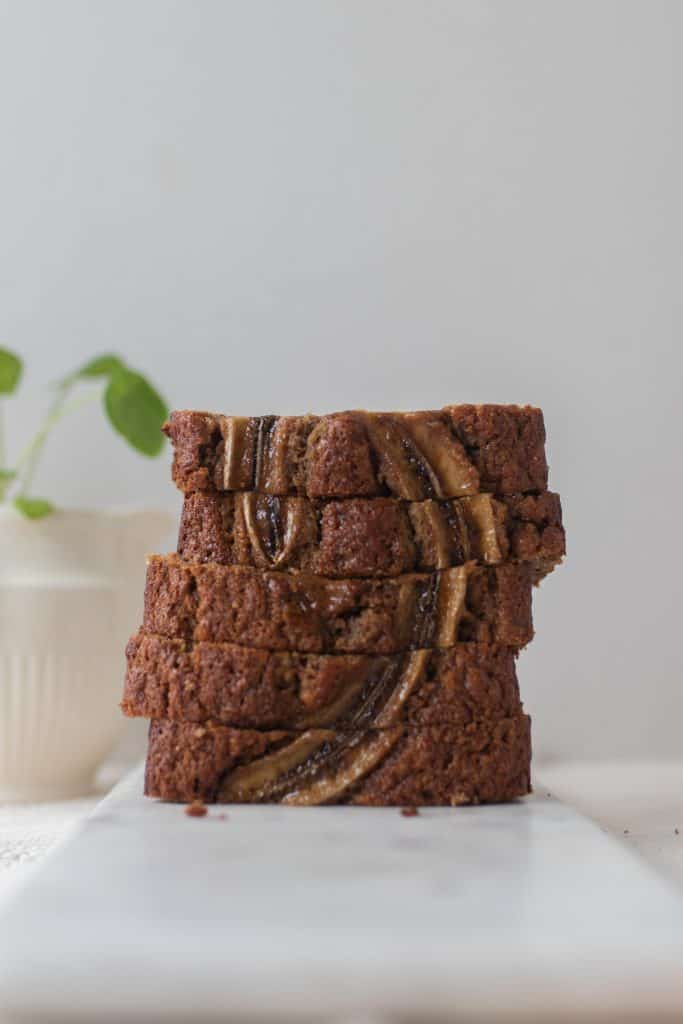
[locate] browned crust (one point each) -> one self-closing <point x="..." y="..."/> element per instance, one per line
<point x="314" y="614"/>
<point x="433" y="765"/>
<point x="248" y="688"/>
<point x="458" y="450"/>
<point x="370" y="537"/>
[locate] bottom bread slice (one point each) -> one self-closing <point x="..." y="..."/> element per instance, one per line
<point x="484" y="762"/>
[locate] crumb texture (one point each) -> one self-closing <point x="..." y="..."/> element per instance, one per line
<point x="248" y="688"/>
<point x="314" y="614"/>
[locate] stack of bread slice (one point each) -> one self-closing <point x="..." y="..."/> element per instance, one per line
<point x="342" y="617"/>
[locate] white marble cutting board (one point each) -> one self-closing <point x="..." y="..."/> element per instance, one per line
<point x="332" y="914"/>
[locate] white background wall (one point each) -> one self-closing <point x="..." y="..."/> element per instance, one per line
<point x="311" y="205"/>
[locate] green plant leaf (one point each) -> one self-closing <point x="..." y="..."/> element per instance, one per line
<point x="33" y="508"/>
<point x="101" y="366"/>
<point x="10" y="371"/>
<point x="136" y="410"/>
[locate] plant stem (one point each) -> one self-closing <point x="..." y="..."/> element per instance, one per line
<point x="29" y="458"/>
<point x="3" y="485"/>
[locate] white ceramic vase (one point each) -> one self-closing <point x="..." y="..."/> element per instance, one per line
<point x="70" y="593"/>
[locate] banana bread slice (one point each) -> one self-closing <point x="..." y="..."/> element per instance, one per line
<point x="249" y="688"/>
<point x="459" y="450"/>
<point x="483" y="762"/>
<point x="315" y="614"/>
<point x="370" y="537"/>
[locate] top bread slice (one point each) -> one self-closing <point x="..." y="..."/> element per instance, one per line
<point x="454" y="452"/>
